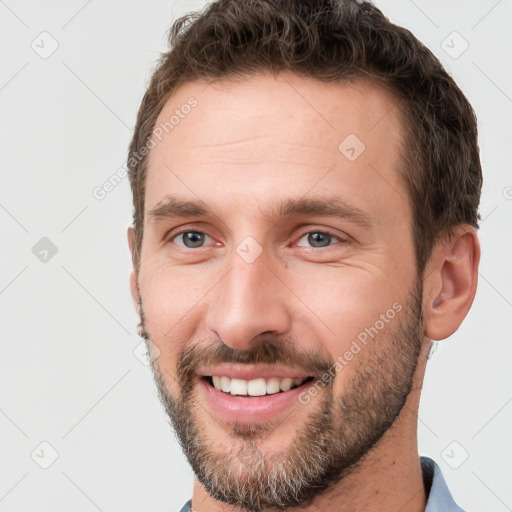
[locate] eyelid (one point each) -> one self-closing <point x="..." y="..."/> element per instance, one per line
<point x="171" y="238"/>
<point x="199" y="227"/>
<point x="342" y="238"/>
<point x="173" y="233"/>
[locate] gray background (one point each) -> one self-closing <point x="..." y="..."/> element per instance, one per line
<point x="69" y="377"/>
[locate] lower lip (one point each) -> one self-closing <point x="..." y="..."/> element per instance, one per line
<point x="245" y="409"/>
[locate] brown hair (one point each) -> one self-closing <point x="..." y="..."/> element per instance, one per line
<point x="330" y="40"/>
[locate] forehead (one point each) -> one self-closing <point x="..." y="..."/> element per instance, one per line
<point x="311" y="110"/>
<point x="277" y="136"/>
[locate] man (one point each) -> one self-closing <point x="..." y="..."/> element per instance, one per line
<point x="306" y="182"/>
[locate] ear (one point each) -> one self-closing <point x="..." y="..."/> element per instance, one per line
<point x="134" y="283"/>
<point x="450" y="282"/>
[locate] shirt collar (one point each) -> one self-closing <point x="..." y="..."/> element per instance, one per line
<point x="439" y="497"/>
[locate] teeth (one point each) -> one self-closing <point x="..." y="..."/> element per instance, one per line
<point x="238" y="387"/>
<point x="285" y="384"/>
<point x="273" y="385"/>
<point x="256" y="387"/>
<point x="225" y="384"/>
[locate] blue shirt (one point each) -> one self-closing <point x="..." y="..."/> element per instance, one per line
<point x="439" y="497"/>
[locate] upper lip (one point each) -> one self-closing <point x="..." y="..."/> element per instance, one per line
<point x="251" y="372"/>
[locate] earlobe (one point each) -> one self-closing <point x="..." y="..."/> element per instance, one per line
<point x="451" y="281"/>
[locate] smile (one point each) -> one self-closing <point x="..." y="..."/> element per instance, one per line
<point x="236" y="400"/>
<point x="254" y="387"/>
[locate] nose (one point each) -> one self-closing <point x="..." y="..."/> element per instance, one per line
<point x="247" y="302"/>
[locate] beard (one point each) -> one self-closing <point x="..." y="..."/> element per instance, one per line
<point x="333" y="440"/>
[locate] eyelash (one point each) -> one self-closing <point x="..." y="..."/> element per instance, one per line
<point x="323" y="232"/>
<point x="175" y="235"/>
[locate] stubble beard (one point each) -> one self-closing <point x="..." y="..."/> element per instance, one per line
<point x="332" y="441"/>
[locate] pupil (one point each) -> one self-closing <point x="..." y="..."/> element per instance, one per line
<point x="193" y="239"/>
<point x="319" y="239"/>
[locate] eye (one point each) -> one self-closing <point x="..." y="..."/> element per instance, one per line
<point x="190" y="239"/>
<point x="317" y="239"/>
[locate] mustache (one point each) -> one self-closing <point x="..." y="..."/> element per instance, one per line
<point x="263" y="350"/>
<point x="268" y="351"/>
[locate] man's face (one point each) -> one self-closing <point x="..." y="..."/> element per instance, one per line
<point x="295" y="262"/>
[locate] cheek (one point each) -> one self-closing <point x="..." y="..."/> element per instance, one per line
<point x="172" y="298"/>
<point x="340" y="305"/>
<point x="363" y="323"/>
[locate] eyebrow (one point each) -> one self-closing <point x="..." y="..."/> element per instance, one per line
<point x="171" y="207"/>
<point x="333" y="206"/>
<point x="328" y="207"/>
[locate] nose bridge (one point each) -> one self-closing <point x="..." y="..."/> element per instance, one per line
<point x="247" y="302"/>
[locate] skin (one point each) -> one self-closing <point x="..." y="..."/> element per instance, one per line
<point x="247" y="146"/>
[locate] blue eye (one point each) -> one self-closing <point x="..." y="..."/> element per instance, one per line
<point x="190" y="239"/>
<point x="318" y="239"/>
<point x="197" y="239"/>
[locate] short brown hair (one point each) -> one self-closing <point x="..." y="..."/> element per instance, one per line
<point x="331" y="40"/>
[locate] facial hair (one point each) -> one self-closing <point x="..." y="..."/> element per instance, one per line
<point x="332" y="441"/>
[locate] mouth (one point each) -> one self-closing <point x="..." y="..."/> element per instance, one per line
<point x="251" y="401"/>
<point x="255" y="387"/>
